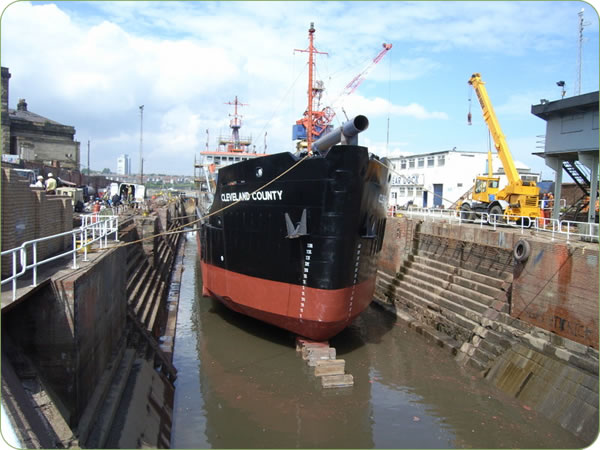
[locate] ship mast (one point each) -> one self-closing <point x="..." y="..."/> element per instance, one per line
<point x="310" y="111"/>
<point x="236" y="123"/>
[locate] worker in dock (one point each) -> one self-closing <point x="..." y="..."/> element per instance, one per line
<point x="51" y="184"/>
<point x="39" y="182"/>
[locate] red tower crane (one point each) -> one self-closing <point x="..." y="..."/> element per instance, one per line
<point x="314" y="123"/>
<point x="358" y="79"/>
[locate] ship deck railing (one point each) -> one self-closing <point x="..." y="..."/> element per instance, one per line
<point x="553" y="228"/>
<point x="94" y="232"/>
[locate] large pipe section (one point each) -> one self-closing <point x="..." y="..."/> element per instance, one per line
<point x="346" y="134"/>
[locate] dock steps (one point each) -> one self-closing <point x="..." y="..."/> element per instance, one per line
<point x="454" y="299"/>
<point x="322" y="357"/>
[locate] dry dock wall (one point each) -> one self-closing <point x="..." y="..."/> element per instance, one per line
<point x="529" y="326"/>
<point x="89" y="339"/>
<point x="72" y="328"/>
<point x="557" y="289"/>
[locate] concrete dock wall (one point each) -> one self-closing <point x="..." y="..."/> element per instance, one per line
<point x="71" y="329"/>
<point x="530" y="326"/>
<point x="97" y="298"/>
<point x="85" y="334"/>
<point x="557" y="289"/>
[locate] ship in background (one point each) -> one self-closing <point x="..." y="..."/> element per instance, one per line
<point x="230" y="150"/>
<point x="292" y="239"/>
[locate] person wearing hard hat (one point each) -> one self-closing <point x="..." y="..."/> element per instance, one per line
<point x="39" y="182"/>
<point x="51" y="184"/>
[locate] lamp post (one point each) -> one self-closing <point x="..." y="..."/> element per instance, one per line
<point x="141" y="144"/>
<point x="561" y="85"/>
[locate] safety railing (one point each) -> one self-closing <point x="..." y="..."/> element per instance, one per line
<point x="94" y="230"/>
<point x="564" y="229"/>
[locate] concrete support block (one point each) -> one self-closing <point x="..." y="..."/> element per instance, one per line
<point x="320" y="354"/>
<point x="330" y="367"/>
<point x="334" y="381"/>
<point x="309" y="347"/>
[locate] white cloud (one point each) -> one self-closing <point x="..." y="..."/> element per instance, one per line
<point x="91" y="64"/>
<point x="377" y="106"/>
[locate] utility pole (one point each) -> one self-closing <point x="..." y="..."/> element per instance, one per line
<point x="141" y="144"/>
<point x="88" y="158"/>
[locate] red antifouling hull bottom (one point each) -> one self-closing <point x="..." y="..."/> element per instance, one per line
<point x="316" y="314"/>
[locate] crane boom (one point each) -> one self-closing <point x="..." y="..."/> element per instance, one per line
<point x="494" y="126"/>
<point x="358" y="79"/>
<point x="518" y="198"/>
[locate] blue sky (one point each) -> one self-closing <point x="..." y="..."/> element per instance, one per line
<point x="91" y="64"/>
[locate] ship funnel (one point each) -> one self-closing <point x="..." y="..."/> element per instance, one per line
<point x="346" y="134"/>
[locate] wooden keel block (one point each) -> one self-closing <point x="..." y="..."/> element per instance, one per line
<point x="330" y="367"/>
<point x="333" y="381"/>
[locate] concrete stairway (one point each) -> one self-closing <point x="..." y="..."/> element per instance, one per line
<point x="148" y="277"/>
<point x="451" y="304"/>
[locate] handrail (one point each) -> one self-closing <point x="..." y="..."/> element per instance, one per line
<point x="557" y="228"/>
<point x="98" y="226"/>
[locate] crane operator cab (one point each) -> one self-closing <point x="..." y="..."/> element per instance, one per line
<point x="486" y="189"/>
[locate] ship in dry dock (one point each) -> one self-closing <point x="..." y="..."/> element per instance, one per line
<point x="292" y="239"/>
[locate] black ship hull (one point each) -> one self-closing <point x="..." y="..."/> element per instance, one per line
<point x="301" y="252"/>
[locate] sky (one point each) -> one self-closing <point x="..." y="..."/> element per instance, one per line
<point x="92" y="64"/>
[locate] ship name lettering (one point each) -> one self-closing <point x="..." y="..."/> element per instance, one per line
<point x="245" y="196"/>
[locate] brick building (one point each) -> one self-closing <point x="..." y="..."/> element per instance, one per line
<point x="27" y="136"/>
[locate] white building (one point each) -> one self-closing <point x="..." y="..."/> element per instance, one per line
<point x="437" y="180"/>
<point x="123" y="165"/>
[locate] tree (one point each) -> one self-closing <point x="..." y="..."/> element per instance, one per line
<point x="106" y="170"/>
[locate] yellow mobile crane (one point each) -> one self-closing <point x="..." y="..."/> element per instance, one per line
<point x="518" y="197"/>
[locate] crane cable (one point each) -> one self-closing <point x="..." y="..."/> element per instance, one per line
<point x="469" y="116"/>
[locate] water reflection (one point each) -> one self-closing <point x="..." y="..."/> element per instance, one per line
<point x="241" y="384"/>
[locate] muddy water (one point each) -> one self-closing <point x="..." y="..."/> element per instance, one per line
<point x="241" y="384"/>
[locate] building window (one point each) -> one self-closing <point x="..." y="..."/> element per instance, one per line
<point x="441" y="160"/>
<point x="411" y="163"/>
<point x="572" y="124"/>
<point x="410" y="192"/>
<point x="458" y="184"/>
<point x="421" y="162"/>
<point x="403" y="164"/>
<point x="402" y="191"/>
<point x="430" y="161"/>
<point x="394" y="195"/>
<point x="419" y="191"/>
